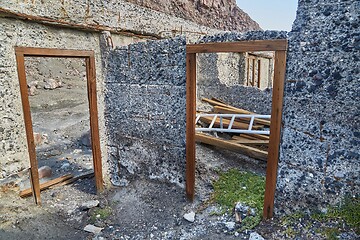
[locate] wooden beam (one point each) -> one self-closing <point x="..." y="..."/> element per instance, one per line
<point x="75" y="178"/>
<point x="255" y="136"/>
<point x="275" y="131"/>
<point x="94" y="124"/>
<point x="253" y="73"/>
<point x="46" y="185"/>
<point x="190" y="124"/>
<point x="34" y="175"/>
<point x="52" y="52"/>
<point x="229" y="145"/>
<point x="243" y="46"/>
<point x="246" y="141"/>
<point x="259" y="73"/>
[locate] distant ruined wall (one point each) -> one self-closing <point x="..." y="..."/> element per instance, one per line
<point x="145" y="110"/>
<point x="319" y="160"/>
<point x="222" y="75"/>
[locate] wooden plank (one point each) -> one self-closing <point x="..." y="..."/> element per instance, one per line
<point x="246" y="150"/>
<point x="34" y="175"/>
<point x="226" y="123"/>
<point x="255" y="136"/>
<point x="94" y="124"/>
<point x="275" y="130"/>
<point x="46" y="185"/>
<point x="259" y="74"/>
<point x="243" y="46"/>
<point x="225" y="110"/>
<point x="253" y="73"/>
<point x="190" y="124"/>
<point x="246" y="141"/>
<point x="52" y="52"/>
<point x="75" y="178"/>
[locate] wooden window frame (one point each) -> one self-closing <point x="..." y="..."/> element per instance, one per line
<point x="21" y="53"/>
<point x="280" y="48"/>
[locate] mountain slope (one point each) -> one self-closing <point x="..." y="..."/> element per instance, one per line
<point x="219" y="14"/>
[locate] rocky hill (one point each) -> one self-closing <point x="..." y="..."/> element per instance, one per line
<point x="219" y="14"/>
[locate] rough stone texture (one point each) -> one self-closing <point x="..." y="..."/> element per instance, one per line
<point x="319" y="160"/>
<point x="225" y="15"/>
<point x="112" y="15"/>
<point x="13" y="148"/>
<point x="145" y="110"/>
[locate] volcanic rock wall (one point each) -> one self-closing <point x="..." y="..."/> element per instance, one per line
<point x="145" y="110"/>
<point x="320" y="161"/>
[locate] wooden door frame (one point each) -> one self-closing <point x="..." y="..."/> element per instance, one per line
<point x="21" y="53"/>
<point x="280" y="48"/>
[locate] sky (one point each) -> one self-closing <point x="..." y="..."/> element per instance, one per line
<point x="271" y="14"/>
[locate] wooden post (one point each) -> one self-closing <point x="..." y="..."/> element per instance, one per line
<point x="34" y="175"/>
<point x="190" y="123"/>
<point x="94" y="124"/>
<point x="259" y="73"/>
<point x="275" y="128"/>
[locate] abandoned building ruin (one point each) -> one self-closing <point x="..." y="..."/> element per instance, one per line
<point x="141" y="90"/>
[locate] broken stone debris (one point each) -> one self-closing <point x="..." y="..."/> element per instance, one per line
<point x="190" y="217"/>
<point x="93" y="229"/>
<point x="39" y="139"/>
<point x="242" y="211"/>
<point x="89" y="204"/>
<point x="44" y="172"/>
<point x="230" y="225"/>
<point x="52" y="84"/>
<point x="255" y="236"/>
<point x="32" y="91"/>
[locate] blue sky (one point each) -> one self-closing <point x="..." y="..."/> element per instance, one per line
<point x="271" y="14"/>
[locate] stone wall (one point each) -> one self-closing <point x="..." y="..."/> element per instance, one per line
<point x="145" y="110"/>
<point x="118" y="17"/>
<point x="319" y="161"/>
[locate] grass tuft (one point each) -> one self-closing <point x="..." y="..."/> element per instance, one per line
<point x="245" y="187"/>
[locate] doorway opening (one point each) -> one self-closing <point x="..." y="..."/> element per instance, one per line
<point x="47" y="100"/>
<point x="279" y="47"/>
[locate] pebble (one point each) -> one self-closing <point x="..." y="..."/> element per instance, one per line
<point x="65" y="165"/>
<point x="93" y="229"/>
<point x="255" y="236"/>
<point x="190" y="217"/>
<point x="52" y="84"/>
<point x="89" y="204"/>
<point x="230" y="225"/>
<point x="44" y="172"/>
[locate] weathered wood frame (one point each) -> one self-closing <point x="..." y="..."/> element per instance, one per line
<point x="21" y="53"/>
<point x="280" y="49"/>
